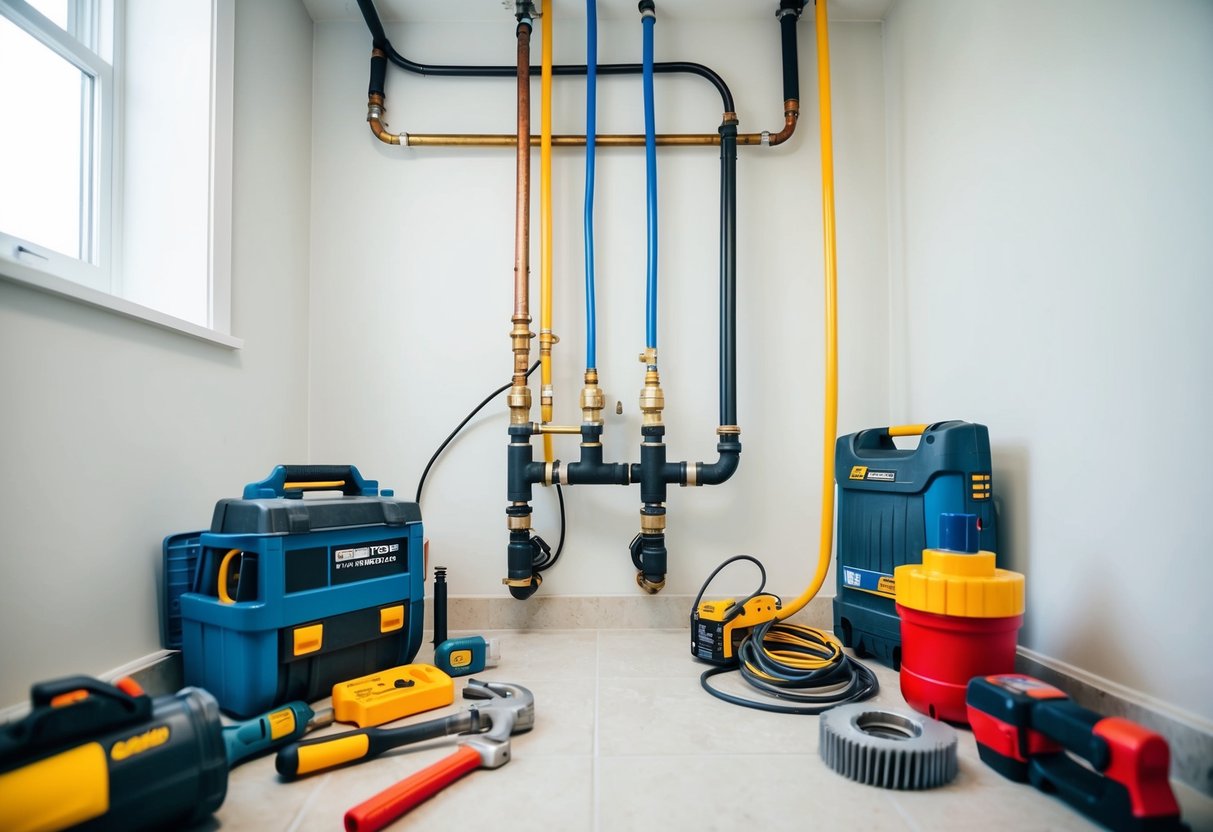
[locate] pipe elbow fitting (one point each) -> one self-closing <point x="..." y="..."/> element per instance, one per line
<point x="524" y="592"/>
<point x="714" y="473"/>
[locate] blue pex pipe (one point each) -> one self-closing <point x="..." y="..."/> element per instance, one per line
<point x="591" y="127"/>
<point x="650" y="149"/>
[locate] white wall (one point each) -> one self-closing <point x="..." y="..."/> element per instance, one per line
<point x="1051" y="186"/>
<point x="114" y="433"/>
<point x="412" y="264"/>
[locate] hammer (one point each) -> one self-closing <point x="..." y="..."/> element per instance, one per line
<point x="505" y="709"/>
<point x="509" y="709"/>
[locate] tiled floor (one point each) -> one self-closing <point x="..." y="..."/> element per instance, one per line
<point x="625" y="739"/>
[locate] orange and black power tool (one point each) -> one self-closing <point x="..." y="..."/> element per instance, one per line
<point x="99" y="756"/>
<point x="1026" y="730"/>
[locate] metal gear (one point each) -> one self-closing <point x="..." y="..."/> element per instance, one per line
<point x="886" y="748"/>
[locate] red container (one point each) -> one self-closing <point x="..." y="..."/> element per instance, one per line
<point x="941" y="653"/>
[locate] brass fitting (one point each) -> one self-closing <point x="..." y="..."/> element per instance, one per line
<point x="652" y="523"/>
<point x="648" y="586"/>
<point x="571" y="430"/>
<point x="726" y="430"/>
<point x="537" y="578"/>
<point x="518" y="523"/>
<point x="592" y="399"/>
<point x="519" y="398"/>
<point x="652" y="399"/>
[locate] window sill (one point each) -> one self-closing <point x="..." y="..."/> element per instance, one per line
<point x="25" y="276"/>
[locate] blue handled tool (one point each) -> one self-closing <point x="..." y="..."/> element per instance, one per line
<point x="277" y="727"/>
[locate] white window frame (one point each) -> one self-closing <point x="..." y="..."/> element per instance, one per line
<point x="98" y="283"/>
<point x="93" y="268"/>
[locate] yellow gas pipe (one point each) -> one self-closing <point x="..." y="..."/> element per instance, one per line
<point x="546" y="339"/>
<point x="830" y="420"/>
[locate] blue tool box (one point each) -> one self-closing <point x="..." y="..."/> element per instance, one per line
<point x="889" y="502"/>
<point x="285" y="596"/>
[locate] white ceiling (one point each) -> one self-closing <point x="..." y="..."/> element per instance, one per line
<point x="492" y="10"/>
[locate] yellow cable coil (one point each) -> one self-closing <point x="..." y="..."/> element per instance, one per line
<point x="830" y="427"/>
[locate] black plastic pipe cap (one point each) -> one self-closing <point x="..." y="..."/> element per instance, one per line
<point x="647" y="6"/>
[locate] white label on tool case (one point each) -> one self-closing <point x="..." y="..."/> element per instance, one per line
<point x="365" y="552"/>
<point x="883" y="476"/>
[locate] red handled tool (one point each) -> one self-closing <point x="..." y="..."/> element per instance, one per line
<point x="385" y="807"/>
<point x="1024" y="729"/>
<point x="510" y="710"/>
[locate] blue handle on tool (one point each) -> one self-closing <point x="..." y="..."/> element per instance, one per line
<point x="261" y="733"/>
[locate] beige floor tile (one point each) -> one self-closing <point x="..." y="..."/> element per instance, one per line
<point x="623" y="730"/>
<point x="674" y="716"/>
<point x="530" y="792"/>
<point x="547" y="654"/>
<point x="646" y="653"/>
<point x="732" y="792"/>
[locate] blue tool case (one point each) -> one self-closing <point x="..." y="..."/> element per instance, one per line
<point x="889" y="502"/>
<point x="286" y="596"/>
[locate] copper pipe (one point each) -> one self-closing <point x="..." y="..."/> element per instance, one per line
<point x="791" y="113"/>
<point x="519" y="398"/>
<point x="376" y="110"/>
<point x="610" y="140"/>
<point x="522" y="216"/>
<point x="374" y="117"/>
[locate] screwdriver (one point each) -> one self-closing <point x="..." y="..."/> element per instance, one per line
<point x="310" y="756"/>
<point x="277" y="727"/>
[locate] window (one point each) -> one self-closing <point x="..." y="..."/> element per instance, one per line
<point x="57" y="94"/>
<point x="115" y="157"/>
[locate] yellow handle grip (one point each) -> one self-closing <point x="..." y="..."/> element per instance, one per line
<point x="224" y="565"/>
<point x="311" y="756"/>
<point x="907" y="430"/>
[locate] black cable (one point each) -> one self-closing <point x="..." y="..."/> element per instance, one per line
<point x="544" y="557"/>
<point x="455" y="432"/>
<point x="831" y="678"/>
<point x="380" y="40"/>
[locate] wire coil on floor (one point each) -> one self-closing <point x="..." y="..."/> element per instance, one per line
<point x="800" y="665"/>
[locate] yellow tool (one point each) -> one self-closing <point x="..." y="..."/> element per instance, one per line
<point x="392" y="694"/>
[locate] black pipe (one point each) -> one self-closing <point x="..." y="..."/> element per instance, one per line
<point x="520" y="557"/>
<point x="380" y="41"/>
<point x="439" y="605"/>
<point x="378" y="75"/>
<point x="728" y="273"/>
<point x="652" y="464"/>
<point x="788" y="14"/>
<point x="590" y="469"/>
<point x="714" y="473"/>
<point x="521" y="469"/>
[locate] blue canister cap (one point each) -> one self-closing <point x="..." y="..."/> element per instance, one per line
<point x="958" y="532"/>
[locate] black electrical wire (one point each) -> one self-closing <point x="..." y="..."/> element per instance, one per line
<point x="380" y="40"/>
<point x="544" y="558"/>
<point x="791" y="662"/>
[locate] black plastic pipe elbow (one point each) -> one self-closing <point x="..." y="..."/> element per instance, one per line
<point x="649" y="558"/>
<point x="714" y="473"/>
<point x="520" y="554"/>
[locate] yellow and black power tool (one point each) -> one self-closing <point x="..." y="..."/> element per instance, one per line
<point x="101" y="756"/>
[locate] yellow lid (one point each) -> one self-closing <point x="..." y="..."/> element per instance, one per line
<point x="959" y="584"/>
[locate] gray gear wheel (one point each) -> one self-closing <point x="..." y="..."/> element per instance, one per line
<point x="887" y="748"/>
